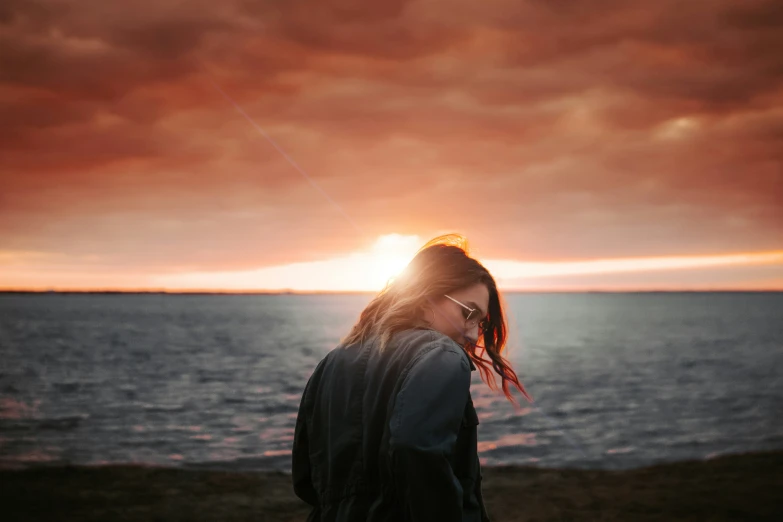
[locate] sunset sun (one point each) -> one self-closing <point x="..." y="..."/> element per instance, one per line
<point x="389" y="255"/>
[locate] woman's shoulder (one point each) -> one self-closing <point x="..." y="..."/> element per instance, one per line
<point x="426" y="338"/>
<point x="430" y="346"/>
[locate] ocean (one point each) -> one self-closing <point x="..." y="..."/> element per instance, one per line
<point x="214" y="381"/>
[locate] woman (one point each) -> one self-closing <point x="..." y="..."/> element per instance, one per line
<point x="386" y="429"/>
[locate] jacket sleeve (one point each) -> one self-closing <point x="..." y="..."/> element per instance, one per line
<point x="424" y="425"/>
<point x="300" y="469"/>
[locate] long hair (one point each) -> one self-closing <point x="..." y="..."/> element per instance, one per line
<point x="439" y="267"/>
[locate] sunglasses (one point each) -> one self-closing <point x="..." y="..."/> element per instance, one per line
<point x="471" y="316"/>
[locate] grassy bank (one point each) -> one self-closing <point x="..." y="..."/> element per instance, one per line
<point x="738" y="487"/>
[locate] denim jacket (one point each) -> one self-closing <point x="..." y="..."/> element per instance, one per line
<point x="390" y="436"/>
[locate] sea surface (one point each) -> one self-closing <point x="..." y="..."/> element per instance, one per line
<point x="619" y="380"/>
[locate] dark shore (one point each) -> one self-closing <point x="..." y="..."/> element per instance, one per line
<point x="737" y="487"/>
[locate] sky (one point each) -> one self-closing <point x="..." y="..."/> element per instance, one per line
<point x="267" y="145"/>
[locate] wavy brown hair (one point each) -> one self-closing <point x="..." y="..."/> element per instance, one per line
<point x="440" y="267"/>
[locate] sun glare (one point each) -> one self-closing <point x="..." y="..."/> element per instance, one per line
<point x="390" y="254"/>
<point x="370" y="269"/>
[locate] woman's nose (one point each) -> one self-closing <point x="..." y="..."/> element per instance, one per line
<point x="472" y="333"/>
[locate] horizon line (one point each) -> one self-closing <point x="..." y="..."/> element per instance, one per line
<point x="374" y="292"/>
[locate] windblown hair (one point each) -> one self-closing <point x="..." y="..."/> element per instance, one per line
<point x="440" y="267"/>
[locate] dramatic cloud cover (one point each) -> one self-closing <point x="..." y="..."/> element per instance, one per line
<point x="547" y="131"/>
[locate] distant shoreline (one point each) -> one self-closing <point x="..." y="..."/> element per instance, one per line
<point x="358" y="292"/>
<point x="727" y="488"/>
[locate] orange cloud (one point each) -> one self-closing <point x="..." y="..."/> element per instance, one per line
<point x="542" y="131"/>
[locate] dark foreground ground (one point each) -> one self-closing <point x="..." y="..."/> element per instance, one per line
<point x="740" y="487"/>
